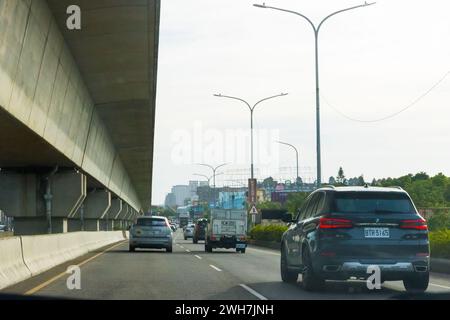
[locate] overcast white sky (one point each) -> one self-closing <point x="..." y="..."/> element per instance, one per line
<point x="373" y="62"/>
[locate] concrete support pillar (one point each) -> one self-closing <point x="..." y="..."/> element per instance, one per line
<point x="114" y="213"/>
<point x="123" y="215"/>
<point x="95" y="207"/>
<point x="23" y="197"/>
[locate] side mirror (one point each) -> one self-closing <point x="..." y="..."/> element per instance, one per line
<point x="287" y="217"/>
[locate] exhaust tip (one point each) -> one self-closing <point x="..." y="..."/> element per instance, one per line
<point x="421" y="268"/>
<point x="331" y="268"/>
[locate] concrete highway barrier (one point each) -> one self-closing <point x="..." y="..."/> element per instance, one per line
<point x="12" y="266"/>
<point x="27" y="256"/>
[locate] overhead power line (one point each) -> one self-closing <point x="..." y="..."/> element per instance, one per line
<point x="415" y="101"/>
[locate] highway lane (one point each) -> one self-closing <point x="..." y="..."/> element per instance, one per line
<point x="191" y="273"/>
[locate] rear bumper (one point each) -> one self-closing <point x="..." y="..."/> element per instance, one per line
<point x="227" y="243"/>
<point x="341" y="269"/>
<point x="151" y="242"/>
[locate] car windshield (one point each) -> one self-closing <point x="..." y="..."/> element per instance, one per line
<point x="372" y="202"/>
<point x="151" y="222"/>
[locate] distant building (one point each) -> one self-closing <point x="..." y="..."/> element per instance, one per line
<point x="232" y="198"/>
<point x="181" y="192"/>
<point x="170" y="200"/>
<point x="193" y="185"/>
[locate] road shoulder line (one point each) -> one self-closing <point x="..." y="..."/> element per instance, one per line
<point x="253" y="292"/>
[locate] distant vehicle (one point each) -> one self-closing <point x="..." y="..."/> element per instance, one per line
<point x="151" y="232"/>
<point x="3" y="228"/>
<point x="199" y="230"/>
<point x="184" y="219"/>
<point x="189" y="231"/>
<point x="226" y="229"/>
<point x="340" y="231"/>
<point x="183" y="216"/>
<point x="173" y="227"/>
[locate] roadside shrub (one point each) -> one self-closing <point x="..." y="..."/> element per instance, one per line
<point x="440" y="244"/>
<point x="439" y="221"/>
<point x="271" y="232"/>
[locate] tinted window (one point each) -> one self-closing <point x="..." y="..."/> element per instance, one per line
<point x="319" y="204"/>
<point x="301" y="210"/>
<point x="310" y="208"/>
<point x="152" y="222"/>
<point x="372" y="202"/>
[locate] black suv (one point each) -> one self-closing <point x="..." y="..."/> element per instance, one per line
<point x="340" y="231"/>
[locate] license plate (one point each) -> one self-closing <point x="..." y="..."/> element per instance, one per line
<point x="376" y="232"/>
<point x="240" y="245"/>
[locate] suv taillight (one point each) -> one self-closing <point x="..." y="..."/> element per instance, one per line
<point x="416" y="224"/>
<point x="332" y="223"/>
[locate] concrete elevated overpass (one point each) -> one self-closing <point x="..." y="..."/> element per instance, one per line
<point x="77" y="110"/>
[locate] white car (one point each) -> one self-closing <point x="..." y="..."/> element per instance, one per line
<point x="189" y="231"/>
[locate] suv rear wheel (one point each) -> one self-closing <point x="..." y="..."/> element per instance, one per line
<point x="286" y="275"/>
<point x="310" y="280"/>
<point x="417" y="283"/>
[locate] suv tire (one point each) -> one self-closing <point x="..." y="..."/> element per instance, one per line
<point x="131" y="248"/>
<point x="417" y="283"/>
<point x="169" y="249"/>
<point x="286" y="275"/>
<point x="194" y="240"/>
<point x="311" y="281"/>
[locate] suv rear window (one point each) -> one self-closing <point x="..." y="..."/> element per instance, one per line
<point x="372" y="202"/>
<point x="152" y="222"/>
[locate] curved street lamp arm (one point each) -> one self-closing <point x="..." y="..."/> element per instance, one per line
<point x="235" y="98"/>
<point x="202" y="175"/>
<point x="205" y="165"/>
<point x="289" y="11"/>
<point x="288" y="144"/>
<point x="223" y="164"/>
<point x="343" y="10"/>
<point x="278" y="95"/>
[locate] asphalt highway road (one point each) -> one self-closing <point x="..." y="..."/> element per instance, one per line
<point x="191" y="273"/>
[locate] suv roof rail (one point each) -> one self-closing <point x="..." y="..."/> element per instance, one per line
<point x="396" y="187"/>
<point x="329" y="186"/>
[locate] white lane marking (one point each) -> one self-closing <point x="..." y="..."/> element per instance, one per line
<point x="253" y="292"/>
<point x="181" y="247"/>
<point x="440" y="286"/>
<point x="198" y="257"/>
<point x="187" y="250"/>
<point x="264" y="251"/>
<point x="215" y="268"/>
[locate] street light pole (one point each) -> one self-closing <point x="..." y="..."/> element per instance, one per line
<point x="208" y="179"/>
<point x="296" y="156"/>
<point x="214" y="169"/>
<point x="251" y="108"/>
<point x="316" y="45"/>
